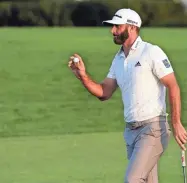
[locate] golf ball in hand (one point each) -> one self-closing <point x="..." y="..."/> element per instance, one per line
<point x="75" y="60"/>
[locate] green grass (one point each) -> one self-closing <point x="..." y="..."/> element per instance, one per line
<point x="81" y="158"/>
<point x="52" y="130"/>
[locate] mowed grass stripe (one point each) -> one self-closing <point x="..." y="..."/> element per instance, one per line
<point x="81" y="158"/>
<point x="39" y="94"/>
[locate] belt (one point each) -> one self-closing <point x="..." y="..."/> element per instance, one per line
<point x="136" y="124"/>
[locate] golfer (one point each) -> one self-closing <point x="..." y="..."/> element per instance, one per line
<point x="143" y="72"/>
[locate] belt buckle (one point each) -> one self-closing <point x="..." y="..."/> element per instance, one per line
<point x="133" y="125"/>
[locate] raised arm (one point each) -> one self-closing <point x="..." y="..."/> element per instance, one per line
<point x="102" y="91"/>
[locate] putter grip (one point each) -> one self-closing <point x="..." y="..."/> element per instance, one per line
<point x="183" y="159"/>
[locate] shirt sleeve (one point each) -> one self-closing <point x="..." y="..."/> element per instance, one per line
<point x="161" y="65"/>
<point x="111" y="74"/>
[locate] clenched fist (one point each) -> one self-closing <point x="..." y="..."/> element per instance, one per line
<point x="77" y="68"/>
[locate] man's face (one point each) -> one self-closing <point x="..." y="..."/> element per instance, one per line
<point x="120" y="34"/>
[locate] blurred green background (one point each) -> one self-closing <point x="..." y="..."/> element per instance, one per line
<point x="157" y="13"/>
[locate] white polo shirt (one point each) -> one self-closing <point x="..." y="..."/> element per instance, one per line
<point x="138" y="77"/>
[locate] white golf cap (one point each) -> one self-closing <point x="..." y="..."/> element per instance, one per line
<point x="125" y="16"/>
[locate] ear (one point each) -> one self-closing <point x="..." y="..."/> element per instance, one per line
<point x="130" y="28"/>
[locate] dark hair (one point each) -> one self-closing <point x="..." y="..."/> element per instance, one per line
<point x="137" y="30"/>
<point x="135" y="27"/>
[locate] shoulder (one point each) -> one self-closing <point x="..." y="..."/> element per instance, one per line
<point x="155" y="51"/>
<point x="154" y="54"/>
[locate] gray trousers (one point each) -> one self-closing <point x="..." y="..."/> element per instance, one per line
<point x="145" y="145"/>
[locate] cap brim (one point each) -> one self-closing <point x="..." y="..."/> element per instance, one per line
<point x="112" y="22"/>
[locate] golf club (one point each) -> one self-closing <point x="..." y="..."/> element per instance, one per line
<point x="183" y="165"/>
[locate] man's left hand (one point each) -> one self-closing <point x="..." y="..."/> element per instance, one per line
<point x="180" y="135"/>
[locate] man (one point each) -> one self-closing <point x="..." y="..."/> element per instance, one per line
<point x="142" y="71"/>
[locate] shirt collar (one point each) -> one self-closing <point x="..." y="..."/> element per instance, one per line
<point x="135" y="45"/>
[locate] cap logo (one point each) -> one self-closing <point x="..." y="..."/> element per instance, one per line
<point x="132" y="22"/>
<point x="118" y="16"/>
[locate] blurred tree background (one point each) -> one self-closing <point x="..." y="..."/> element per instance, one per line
<point x="89" y="12"/>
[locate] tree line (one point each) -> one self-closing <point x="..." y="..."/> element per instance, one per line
<point x="88" y="13"/>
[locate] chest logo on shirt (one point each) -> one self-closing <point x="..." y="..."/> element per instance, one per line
<point x="166" y="63"/>
<point x="137" y="64"/>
